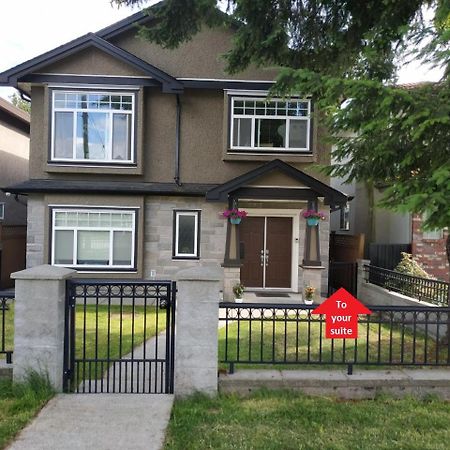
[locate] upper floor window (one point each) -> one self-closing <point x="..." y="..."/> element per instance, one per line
<point x="270" y="125"/>
<point x="93" y="126"/>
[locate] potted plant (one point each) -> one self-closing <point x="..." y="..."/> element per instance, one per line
<point x="238" y="291"/>
<point x="235" y="215"/>
<point x="312" y="217"/>
<point x="309" y="295"/>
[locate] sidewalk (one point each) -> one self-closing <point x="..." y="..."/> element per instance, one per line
<point x="98" y="422"/>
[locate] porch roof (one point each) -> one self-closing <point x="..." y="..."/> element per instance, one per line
<point x="308" y="189"/>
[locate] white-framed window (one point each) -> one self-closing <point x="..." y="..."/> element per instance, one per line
<point x="270" y="126"/>
<point x="186" y="234"/>
<point x="93" y="238"/>
<point x="93" y="127"/>
<point x="2" y="211"/>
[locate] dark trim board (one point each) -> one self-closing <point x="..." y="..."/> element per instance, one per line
<point x="90" y="79"/>
<point x="108" y="187"/>
<point x="228" y="84"/>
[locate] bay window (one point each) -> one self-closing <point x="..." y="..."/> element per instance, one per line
<point x="93" y="238"/>
<point x="93" y="127"/>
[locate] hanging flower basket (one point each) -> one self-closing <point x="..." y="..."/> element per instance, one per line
<point x="313" y="217"/>
<point x="312" y="221"/>
<point x="235" y="215"/>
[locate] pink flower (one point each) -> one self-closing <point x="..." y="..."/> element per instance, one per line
<point x="234" y="213"/>
<point x="311" y="214"/>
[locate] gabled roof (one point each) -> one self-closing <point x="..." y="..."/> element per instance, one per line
<point x="13" y="111"/>
<point x="126" y="24"/>
<point x="332" y="196"/>
<point x="11" y="76"/>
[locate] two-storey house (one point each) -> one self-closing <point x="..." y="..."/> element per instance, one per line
<point x="137" y="150"/>
<point x="14" y="150"/>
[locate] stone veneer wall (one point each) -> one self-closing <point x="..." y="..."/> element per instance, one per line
<point x="159" y="229"/>
<point x="35" y="231"/>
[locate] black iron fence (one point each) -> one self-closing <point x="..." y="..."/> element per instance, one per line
<point x="119" y="336"/>
<point x="256" y="335"/>
<point x="6" y="324"/>
<point x="422" y="289"/>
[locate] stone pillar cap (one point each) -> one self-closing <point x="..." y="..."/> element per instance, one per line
<point x="201" y="273"/>
<point x="44" y="272"/>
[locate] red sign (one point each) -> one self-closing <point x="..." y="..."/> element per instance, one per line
<point x="341" y="310"/>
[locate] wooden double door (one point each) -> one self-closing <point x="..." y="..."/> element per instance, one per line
<point x="266" y="252"/>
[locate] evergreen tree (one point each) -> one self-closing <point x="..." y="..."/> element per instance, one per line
<point x="345" y="53"/>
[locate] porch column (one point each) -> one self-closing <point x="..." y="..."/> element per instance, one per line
<point x="311" y="256"/>
<point x="232" y="260"/>
<point x="312" y="269"/>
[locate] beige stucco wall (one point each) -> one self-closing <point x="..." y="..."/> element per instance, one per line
<point x="14" y="151"/>
<point x="204" y="130"/>
<point x="92" y="61"/>
<point x="201" y="57"/>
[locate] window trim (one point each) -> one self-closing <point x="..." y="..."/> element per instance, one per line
<point x="2" y="210"/>
<point x="233" y="96"/>
<point x="95" y="209"/>
<point x="186" y="212"/>
<point x="93" y="162"/>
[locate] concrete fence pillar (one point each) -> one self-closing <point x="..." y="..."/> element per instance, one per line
<point x="196" y="324"/>
<point x="39" y="322"/>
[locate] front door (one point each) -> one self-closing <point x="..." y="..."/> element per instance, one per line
<point x="266" y="252"/>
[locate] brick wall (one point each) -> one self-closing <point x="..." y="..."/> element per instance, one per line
<point x="430" y="253"/>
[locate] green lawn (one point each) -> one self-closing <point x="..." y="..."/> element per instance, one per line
<point x="92" y="344"/>
<point x="284" y="341"/>
<point x="93" y="329"/>
<point x="19" y="403"/>
<point x="285" y="420"/>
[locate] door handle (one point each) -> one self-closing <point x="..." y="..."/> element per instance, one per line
<point x="262" y="258"/>
<point x="267" y="257"/>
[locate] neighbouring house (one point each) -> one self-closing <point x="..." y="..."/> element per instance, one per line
<point x="137" y="150"/>
<point x="14" y="151"/>
<point x="389" y="233"/>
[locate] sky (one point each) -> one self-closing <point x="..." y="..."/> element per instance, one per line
<point x="33" y="27"/>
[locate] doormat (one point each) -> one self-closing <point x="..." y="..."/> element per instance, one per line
<point x="272" y="294"/>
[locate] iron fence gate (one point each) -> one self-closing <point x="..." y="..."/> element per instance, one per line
<point x="119" y="336"/>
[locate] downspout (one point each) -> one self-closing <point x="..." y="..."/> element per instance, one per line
<point x="177" y="142"/>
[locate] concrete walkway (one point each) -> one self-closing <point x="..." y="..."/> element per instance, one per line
<point x="98" y="422"/>
<point x="131" y="376"/>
